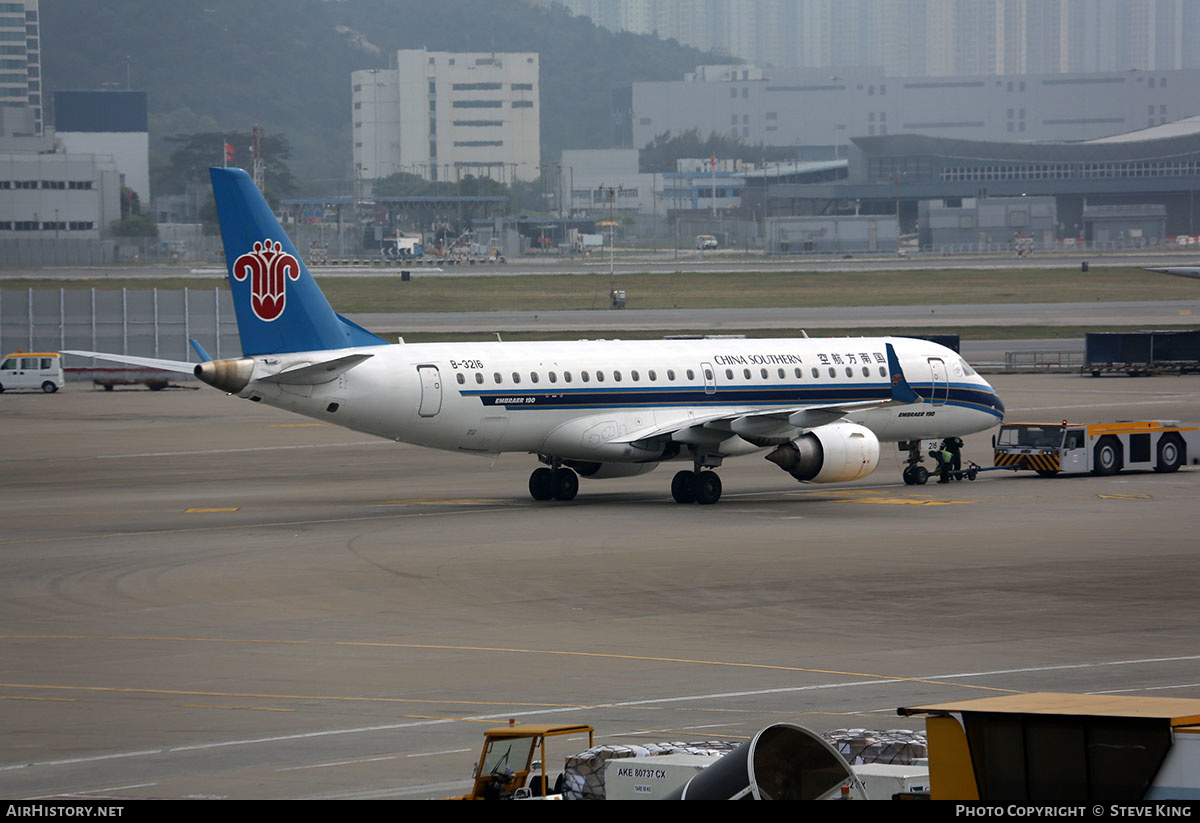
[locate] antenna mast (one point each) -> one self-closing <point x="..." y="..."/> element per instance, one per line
<point x="260" y="162"/>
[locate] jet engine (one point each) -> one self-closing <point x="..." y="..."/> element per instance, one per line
<point x="829" y="454"/>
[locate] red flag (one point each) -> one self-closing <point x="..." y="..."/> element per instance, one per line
<point x="713" y="160"/>
<point x="230" y="151"/>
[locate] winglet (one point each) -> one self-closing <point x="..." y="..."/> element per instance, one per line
<point x="901" y="391"/>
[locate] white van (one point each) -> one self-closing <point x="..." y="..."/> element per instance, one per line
<point x="32" y="370"/>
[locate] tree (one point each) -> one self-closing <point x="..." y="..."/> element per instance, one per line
<point x="403" y="184"/>
<point x="131" y="204"/>
<point x="194" y="154"/>
<point x="134" y="226"/>
<point x="660" y="154"/>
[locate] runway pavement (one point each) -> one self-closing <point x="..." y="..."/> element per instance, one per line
<point x="203" y="597"/>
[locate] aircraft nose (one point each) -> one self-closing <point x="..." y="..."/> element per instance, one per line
<point x="993" y="400"/>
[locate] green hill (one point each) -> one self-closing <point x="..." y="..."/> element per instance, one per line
<point x="223" y="65"/>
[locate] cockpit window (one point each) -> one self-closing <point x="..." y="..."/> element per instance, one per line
<point x="966" y="367"/>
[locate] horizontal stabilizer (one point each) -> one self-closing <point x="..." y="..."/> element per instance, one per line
<point x="204" y="357"/>
<point x="180" y="366"/>
<point x="316" y="373"/>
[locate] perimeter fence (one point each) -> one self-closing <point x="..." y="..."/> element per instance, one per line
<point x="140" y="322"/>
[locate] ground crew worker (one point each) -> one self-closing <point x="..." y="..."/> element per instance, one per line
<point x="942" y="457"/>
<point x="954" y="446"/>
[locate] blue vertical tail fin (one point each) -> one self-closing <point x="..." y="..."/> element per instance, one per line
<point x="279" y="306"/>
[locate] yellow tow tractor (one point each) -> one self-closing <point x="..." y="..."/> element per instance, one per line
<point x="503" y="770"/>
<point x="1099" y="448"/>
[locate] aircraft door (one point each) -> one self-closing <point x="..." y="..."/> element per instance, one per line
<point x="431" y="391"/>
<point x="710" y="378"/>
<point x="941" y="383"/>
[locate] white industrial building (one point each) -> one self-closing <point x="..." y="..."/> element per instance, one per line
<point x="55" y="208"/>
<point x="820" y="110"/>
<point x="115" y="123"/>
<point x="446" y="115"/>
<point x="590" y="176"/>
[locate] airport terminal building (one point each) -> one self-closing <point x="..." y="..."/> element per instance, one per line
<point x="1130" y="190"/>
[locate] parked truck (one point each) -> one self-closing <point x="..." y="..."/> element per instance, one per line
<point x="1142" y="352"/>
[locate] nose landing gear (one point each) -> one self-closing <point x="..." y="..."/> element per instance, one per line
<point x="914" y="473"/>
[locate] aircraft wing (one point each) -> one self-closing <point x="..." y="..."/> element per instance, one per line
<point x="777" y="422"/>
<point x="180" y="366"/>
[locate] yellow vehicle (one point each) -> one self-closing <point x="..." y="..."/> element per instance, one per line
<point x="32" y="370"/>
<point x="1099" y="448"/>
<point x="508" y="758"/>
<point x="1060" y="748"/>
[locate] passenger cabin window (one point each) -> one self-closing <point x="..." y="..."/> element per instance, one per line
<point x="671" y="374"/>
<point x="461" y="379"/>
<point x="653" y="375"/>
<point x="633" y="375"/>
<point x="479" y="377"/>
<point x="866" y="372"/>
<point x="849" y="372"/>
<point x="708" y="375"/>
<point x="746" y="373"/>
<point x="553" y="377"/>
<point x="815" y="372"/>
<point x="533" y="377"/>
<point x="763" y="372"/>
<point x="832" y="371"/>
<point x="691" y="375"/>
<point x="583" y="375"/>
<point x="497" y="377"/>
<point x="516" y="377"/>
<point x="799" y="374"/>
<point x="617" y="375"/>
<point x="566" y="377"/>
<point x="599" y="377"/>
<point x="882" y="371"/>
<point x="729" y="374"/>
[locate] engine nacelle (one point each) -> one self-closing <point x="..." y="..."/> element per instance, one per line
<point x="829" y="454"/>
<point x="600" y="471"/>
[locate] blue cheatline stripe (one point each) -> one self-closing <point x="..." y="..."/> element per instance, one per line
<point x="969" y="397"/>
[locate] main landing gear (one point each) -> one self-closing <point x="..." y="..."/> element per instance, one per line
<point x="702" y="487"/>
<point x="558" y="483"/>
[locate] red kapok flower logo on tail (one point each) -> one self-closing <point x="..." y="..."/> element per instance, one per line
<point x="268" y="267"/>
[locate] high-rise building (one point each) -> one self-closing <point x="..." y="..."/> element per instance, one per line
<point x="912" y="38"/>
<point x="20" y="69"/>
<point x="446" y="115"/>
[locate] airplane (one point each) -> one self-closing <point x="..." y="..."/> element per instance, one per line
<point x="818" y="408"/>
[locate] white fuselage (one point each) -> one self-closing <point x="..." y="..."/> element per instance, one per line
<point x="578" y="400"/>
